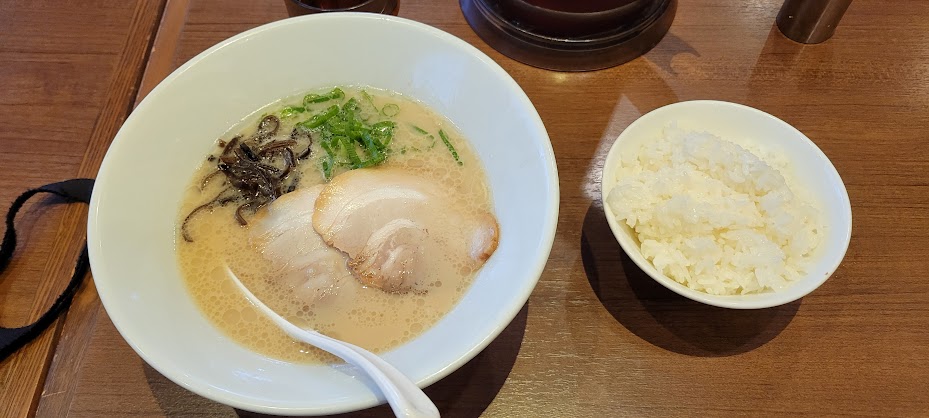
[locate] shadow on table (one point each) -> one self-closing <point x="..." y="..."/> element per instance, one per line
<point x="662" y="317"/>
<point x="468" y="391"/>
<point x="669" y="47"/>
<point x="175" y="401"/>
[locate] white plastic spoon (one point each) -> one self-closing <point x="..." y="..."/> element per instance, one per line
<point x="404" y="397"/>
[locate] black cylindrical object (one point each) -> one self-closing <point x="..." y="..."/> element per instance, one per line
<point x="303" y="7"/>
<point x="571" y="36"/>
<point x="810" y="21"/>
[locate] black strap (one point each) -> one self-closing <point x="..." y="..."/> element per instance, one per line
<point x="12" y="339"/>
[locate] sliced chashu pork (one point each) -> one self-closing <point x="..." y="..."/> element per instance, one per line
<point x="397" y="230"/>
<point x="284" y="232"/>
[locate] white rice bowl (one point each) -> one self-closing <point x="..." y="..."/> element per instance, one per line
<point x="714" y="216"/>
<point x="725" y="204"/>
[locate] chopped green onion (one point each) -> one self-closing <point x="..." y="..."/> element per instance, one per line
<point x="337" y="126"/>
<point x="384" y="125"/>
<point x="374" y="161"/>
<point x="390" y="110"/>
<point x="381" y="146"/>
<point x="327" y="167"/>
<point x="366" y="108"/>
<point x="335" y="94"/>
<point x="320" y="118"/>
<point x="351" y="106"/>
<point x="383" y="131"/>
<point x="327" y="148"/>
<point x="345" y="133"/>
<point x="350" y="151"/>
<point x="358" y="132"/>
<point x="368" y="98"/>
<point x="372" y="145"/>
<point x="291" y="111"/>
<point x="448" y="144"/>
<point x="419" y="130"/>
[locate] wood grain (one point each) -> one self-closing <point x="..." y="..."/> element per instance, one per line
<point x="74" y="70"/>
<point x="598" y="337"/>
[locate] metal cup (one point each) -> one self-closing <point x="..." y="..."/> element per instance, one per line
<point x="810" y="21"/>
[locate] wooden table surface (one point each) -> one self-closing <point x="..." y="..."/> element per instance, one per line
<point x="597" y="338"/>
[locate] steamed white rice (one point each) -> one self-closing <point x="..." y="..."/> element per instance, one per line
<point x="713" y="216"/>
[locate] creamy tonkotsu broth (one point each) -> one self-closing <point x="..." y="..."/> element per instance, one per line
<point x="363" y="315"/>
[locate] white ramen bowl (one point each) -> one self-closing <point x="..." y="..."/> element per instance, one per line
<point x="135" y="204"/>
<point x="730" y="121"/>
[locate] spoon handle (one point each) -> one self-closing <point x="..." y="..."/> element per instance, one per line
<point x="405" y="398"/>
